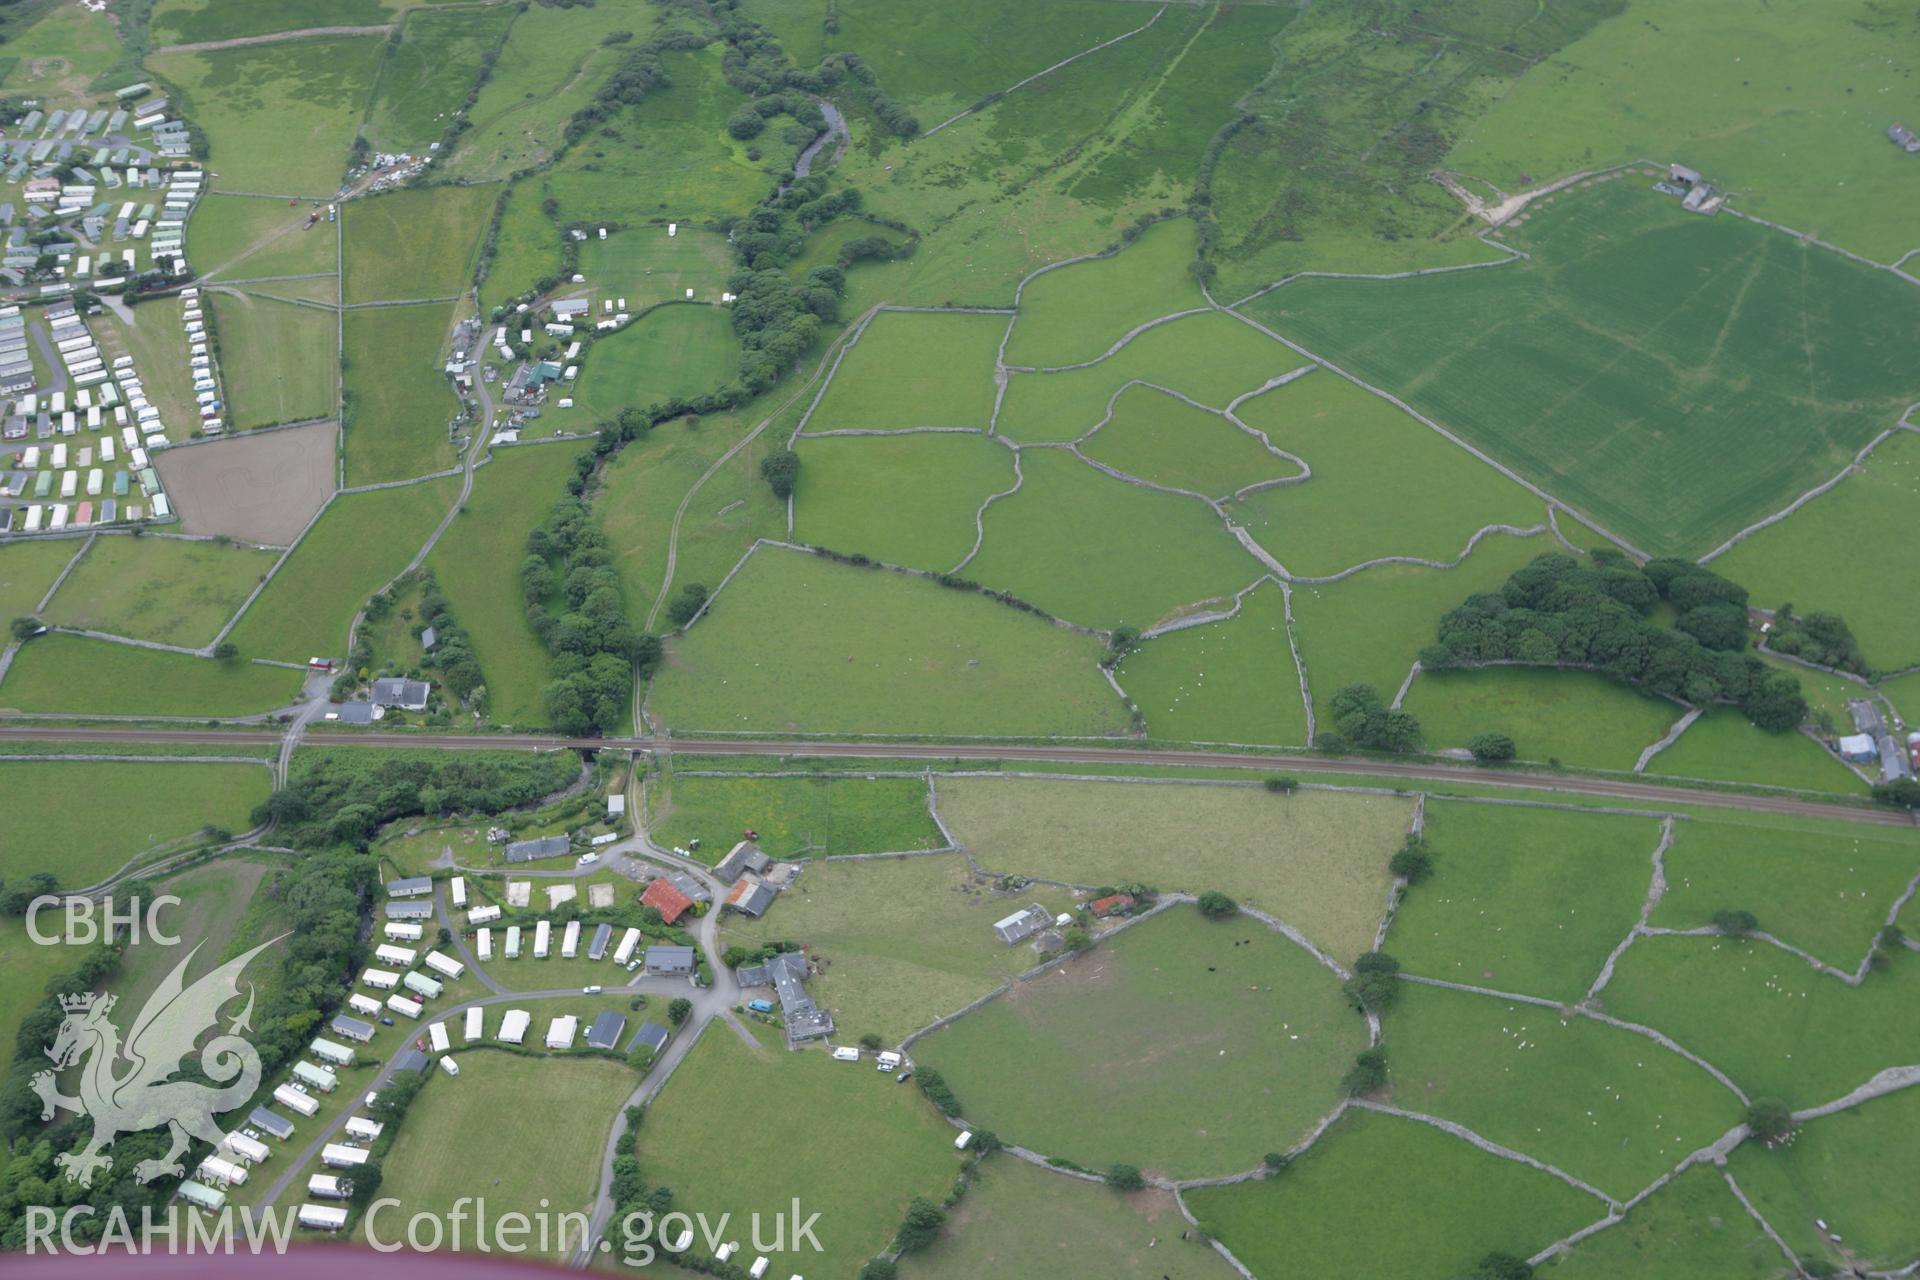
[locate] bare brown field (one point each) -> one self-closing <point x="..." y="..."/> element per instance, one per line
<point x="263" y="487"/>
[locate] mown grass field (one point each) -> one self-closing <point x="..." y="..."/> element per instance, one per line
<point x="157" y="340"/>
<point x="1211" y="358"/>
<point x="645" y="265"/>
<point x="1154" y="437"/>
<point x="1231" y="681"/>
<point x="1602" y="1104"/>
<point x="794" y="815"/>
<point x="241" y="237"/>
<point x="277" y="359"/>
<point x="1523" y="900"/>
<point x="1724" y="745"/>
<point x="1381" y="1196"/>
<point x="1820" y="557"/>
<point x="1576" y="717"/>
<point x="1382" y="484"/>
<point x="398" y="398"/>
<point x="1316" y="859"/>
<point x="872" y="1145"/>
<point x="1076" y="312"/>
<point x="353" y="550"/>
<point x="427" y="75"/>
<point x="1778" y="1027"/>
<point x="903" y="941"/>
<point x="162" y="589"/>
<point x="27" y="569"/>
<point x="415" y="244"/>
<point x="478" y="565"/>
<point x="97" y="677"/>
<point x="1675" y="440"/>
<point x="58" y="50"/>
<point x="800" y="644"/>
<point x="915" y="370"/>
<point x="279" y="117"/>
<point x="526" y="246"/>
<point x="83" y="820"/>
<point x="908" y="500"/>
<point x="671" y="351"/>
<point x="1100" y="552"/>
<point x="458" y="1122"/>
<point x="192" y="21"/>
<point x="1691" y="1229"/>
<point x="221" y="910"/>
<point x="1827" y="890"/>
<point x="1200" y="1001"/>
<point x="1022" y="1223"/>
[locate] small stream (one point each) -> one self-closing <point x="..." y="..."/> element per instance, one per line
<point x="836" y="133"/>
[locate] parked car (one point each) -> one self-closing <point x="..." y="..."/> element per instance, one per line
<point x="593" y="990"/>
<point x="904" y="1076"/>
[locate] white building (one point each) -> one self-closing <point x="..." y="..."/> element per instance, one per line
<point x="483" y="915"/>
<point x="315" y="1077"/>
<point x="444" y="964"/>
<point x="437" y="1036"/>
<point x="295" y="1100"/>
<point x="402" y="931"/>
<point x="570" y="941"/>
<point x="364" y="1129"/>
<point x="628" y="941"/>
<point x="560" y="1032"/>
<point x="252" y="1150"/>
<point x="320" y="1217"/>
<point x="421" y="985"/>
<point x="337" y="1155"/>
<point x="485" y="942"/>
<point x="513" y="1027"/>
<point x="458" y="888"/>
<point x="403" y="1006"/>
<point x="400" y="957"/>
<point x="476" y="1024"/>
<point x="333" y="1052"/>
<point x="542" y="936"/>
<point x="381" y="979"/>
<point x="513" y="942"/>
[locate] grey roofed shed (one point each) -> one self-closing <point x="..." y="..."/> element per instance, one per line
<point x="754" y="902"/>
<point x="742" y="858"/>
<point x="544" y="847"/>
<point x="606" y="1030"/>
<point x="354" y="713"/>
<point x="691" y="885"/>
<point x="269" y="1122"/>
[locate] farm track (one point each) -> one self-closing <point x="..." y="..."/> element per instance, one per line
<point x="275" y="37"/>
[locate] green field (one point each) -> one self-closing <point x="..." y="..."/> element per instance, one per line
<point x="1819" y="558"/>
<point x="98" y="677"/>
<point x="191" y="21"/>
<point x="1231" y="681"/>
<point x="1602" y="1104"/>
<point x="415" y="244"/>
<point x="156" y="339"/>
<point x="1154" y="437"/>
<point x="645" y="265"/>
<point x="1076" y="312"/>
<point x="277" y="357"/>
<point x="1691" y="1229"/>
<point x="1726" y="746"/>
<point x="128" y="808"/>
<point x="457" y="1121"/>
<point x="1580" y="365"/>
<point x="425" y="77"/>
<point x="907" y="500"/>
<point x="1022" y="1223"/>
<point x="1382" y="484"/>
<point x="1524" y="900"/>
<point x="163" y="589"/>
<point x="241" y="237"/>
<point x="526" y="247"/>
<point x="352" y="551"/>
<point x="902" y="941"/>
<point x="672" y="351"/>
<point x="846" y="650"/>
<point x="872" y="1145"/>
<point x="914" y="370"/>
<point x="1100" y="552"/>
<point x="794" y="816"/>
<point x="1576" y="717"/>
<point x="1381" y="1196"/>
<point x="478" y="565"/>
<point x="279" y="117"/>
<point x="398" y="398"/>
<point x="1049" y="1066"/>
<point x="27" y="569"/>
<point x="1316" y="859"/>
<point x="63" y="52"/>
<point x="1827" y="890"/>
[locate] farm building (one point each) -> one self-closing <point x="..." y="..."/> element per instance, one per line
<point x="561" y="1030"/>
<point x="364" y="1129"/>
<point x="597" y="949"/>
<point x="665" y="897"/>
<point x="691" y="885"/>
<point x="1023" y="924"/>
<point x="332" y="1052"/>
<point x="353" y="1028"/>
<point x="408" y="695"/>
<point x="315" y="1077"/>
<point x="628" y="941"/>
<point x="570" y="940"/>
<point x="421" y="984"/>
<point x="326" y="1186"/>
<point x="252" y="1150"/>
<point x="742" y="858"/>
<point x="409" y="910"/>
<point x="410" y="887"/>
<point x="1858" y="748"/>
<point x="270" y="1124"/>
<point x="320" y="1217"/>
<point x="338" y="1155"/>
<point x="1112" y="904"/>
<point x="670" y="961"/>
<point x="650" y="1034"/>
<point x="751" y="896"/>
<point x="484" y="915"/>
<point x="804" y="1019"/>
<point x="202" y="1196"/>
<point x="513" y="1027"/>
<point x="444" y="964"/>
<point x="293" y="1099"/>
<point x="476" y="1024"/>
<point x="606" y="1030"/>
<point x="544" y="847"/>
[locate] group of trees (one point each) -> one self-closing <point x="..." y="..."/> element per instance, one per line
<point x="640" y="72"/>
<point x="1558" y="611"/>
<point x="595" y="648"/>
<point x="1822" y="638"/>
<point x="1363" y="720"/>
<point x="777" y="317"/>
<point x="342" y="797"/>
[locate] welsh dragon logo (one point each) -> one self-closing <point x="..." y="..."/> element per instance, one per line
<point x="138" y="1095"/>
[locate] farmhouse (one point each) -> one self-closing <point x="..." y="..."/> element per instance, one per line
<point x="353" y="1028"/>
<point x="408" y="695"/>
<point x="670" y="961"/>
<point x="544" y="847"/>
<point x="1022" y="925"/>
<point x="742" y="858"/>
<point x="411" y="887"/>
<point x="805" y="1020"/>
<point x="665" y="897"/>
<point x="606" y="1030"/>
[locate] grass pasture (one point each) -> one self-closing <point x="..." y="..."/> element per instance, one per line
<point x="426" y="77"/>
<point x="903" y="941"/>
<point x="1074" y="313"/>
<point x="417" y="244"/>
<point x="1381" y="1196"/>
<point x="907" y="500"/>
<point x="1316" y="859"/>
<point x="1041" y="1065"/>
<point x="279" y="117"/>
<point x="62" y="673"/>
<point x="1231" y="681"/>
<point x="1098" y="551"/>
<point x="846" y="650"/>
<point x="1154" y="437"/>
<point x="1674" y="441"/>
<point x="645" y="265"/>
<point x="247" y="236"/>
<point x="1521" y="899"/>
<point x="128" y="808"/>
<point x="194" y="21"/>
<point x="162" y="589"/>
<point x="674" y="350"/>
<point x="796" y="816"/>
<point x="276" y="359"/>
<point x="1725" y="746"/>
<point x="1576" y="717"/>
<point x="27" y="569"/>
<point x="58" y="50"/>
<point x="1690" y="1229"/>
<point x="399" y="401"/>
<point x="526" y="246"/>
<point x="915" y="369"/>
<point x="875" y="1145"/>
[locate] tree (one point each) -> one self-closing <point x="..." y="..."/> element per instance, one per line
<point x="1276" y="1160"/>
<point x="746" y="123"/>
<point x="1502" y="1266"/>
<point x="226" y="651"/>
<point x="1373" y="986"/>
<point x="1076" y="939"/>
<point x="871" y="1042"/>
<point x="26" y="628"/>
<point x="879" y="1269"/>
<point x="1282" y="784"/>
<point x="1215" y="905"/>
<point x="1122" y="641"/>
<point x="688" y="602"/>
<point x="1770" y="1119"/>
<point x="1776" y="703"/>
<point x="678" y="1009"/>
<point x="1902" y="793"/>
<point x="1412" y="863"/>
<point x="781" y="470"/>
<point x="921" y="1226"/>
<point x="1365" y="721"/>
<point x="1491" y="748"/>
<point x="1368" y="1072"/>
<point x="1734" y="923"/>
<point x="1125" y="1177"/>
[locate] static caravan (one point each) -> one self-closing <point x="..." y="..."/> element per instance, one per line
<point x="162" y="506"/>
<point x="483" y="915"/>
<point x="561" y="1030"/>
<point x="224" y="1172"/>
<point x="381" y="979"/>
<point x="401" y="931"/>
<point x="69" y="484"/>
<point x="513" y="942"/>
<point x="59" y="520"/>
<point x="386" y="953"/>
<point x="338" y="1155"/>
<point x="96" y="481"/>
<point x="458" y="887"/>
<point x="437" y="1036"/>
<point x="202" y="1196"/>
<point x="570" y="940"/>
<point x="486" y="944"/>
<point x="252" y="1150"/>
<point x="476" y="1023"/>
<point x="364" y="1004"/>
<point x="420" y="984"/>
<point x="628" y="941"/>
<point x="364" y="1129"/>
<point x="34" y="517"/>
<point x="315" y="1077"/>
<point x="542" y="935"/>
<point x="448" y="1065"/>
<point x="296" y="1100"/>
<point x="325" y="1186"/>
<point x="320" y="1217"/>
<point x="404" y="1006"/>
<point x="332" y="1051"/>
<point x="444" y="964"/>
<point x="513" y="1026"/>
